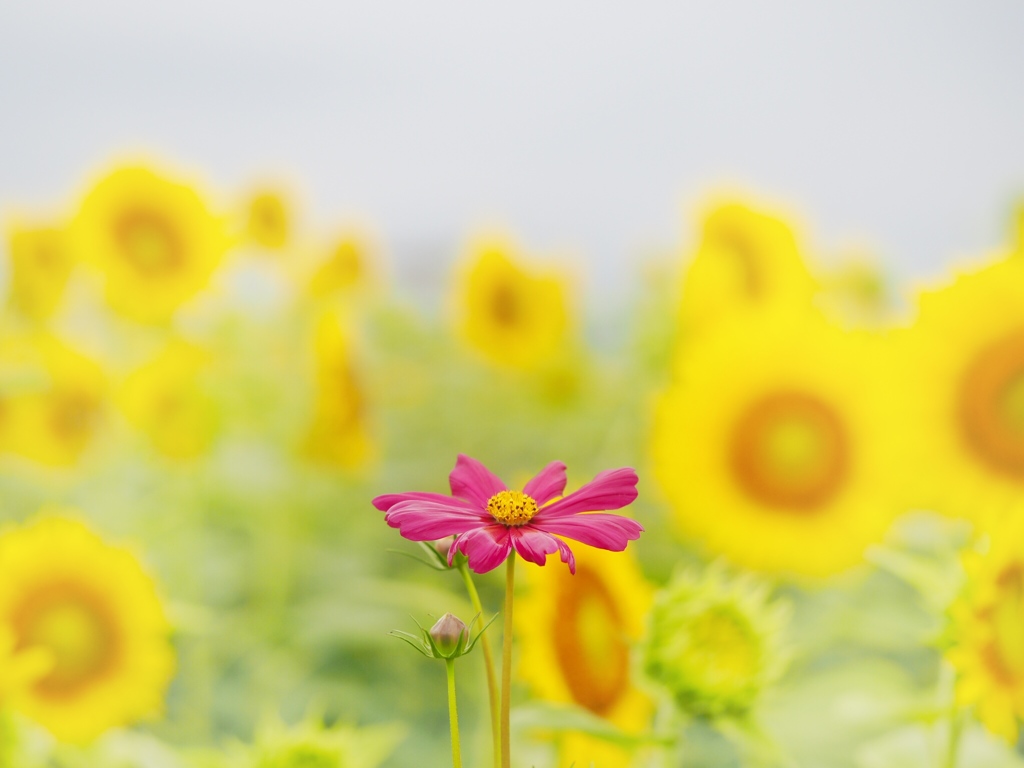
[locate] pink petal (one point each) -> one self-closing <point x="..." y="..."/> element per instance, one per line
<point x="429" y="520"/>
<point x="548" y="484"/>
<point x="486" y="547"/>
<point x="611" y="532"/>
<point x="388" y="500"/>
<point x="611" y="489"/>
<point x="532" y="544"/>
<point x="472" y="481"/>
<point x="567" y="555"/>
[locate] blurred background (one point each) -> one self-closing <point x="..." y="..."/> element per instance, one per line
<point x="263" y="263"/>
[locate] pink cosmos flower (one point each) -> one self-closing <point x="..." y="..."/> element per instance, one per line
<point x="489" y="521"/>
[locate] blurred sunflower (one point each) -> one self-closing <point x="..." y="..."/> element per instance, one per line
<point x="55" y="402"/>
<point x="20" y="668"/>
<point x="745" y="259"/>
<point x="165" y="400"/>
<point x="346" y="267"/>
<point x="268" y="219"/>
<point x="713" y="643"/>
<point x="966" y="354"/>
<point x="153" y="238"/>
<point x="95" y="613"/>
<point x="987" y="632"/>
<point x="339" y="434"/>
<point x="512" y="317"/>
<point x="41" y="263"/>
<point x="576" y="634"/>
<point x="775" y="444"/>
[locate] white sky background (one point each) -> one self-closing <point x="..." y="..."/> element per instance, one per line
<point x="587" y="129"/>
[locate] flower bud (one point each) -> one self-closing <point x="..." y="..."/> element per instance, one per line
<point x="447" y="634"/>
<point x="441" y="546"/>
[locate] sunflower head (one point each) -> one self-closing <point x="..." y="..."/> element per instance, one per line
<point x="966" y="356"/>
<point x="54" y="409"/>
<point x="775" y="444"/>
<point x="153" y="239"/>
<point x="268" y="219"/>
<point x="347" y="266"/>
<point x="167" y="401"/>
<point x="987" y="630"/>
<point x="41" y="263"/>
<point x="339" y="434"/>
<point x="91" y="611"/>
<point x="512" y="317"/>
<point x="712" y="643"/>
<point x="745" y="259"/>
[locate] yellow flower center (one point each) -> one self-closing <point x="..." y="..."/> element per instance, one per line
<point x="75" y="628"/>
<point x="991" y="405"/>
<point x="512" y="507"/>
<point x="506" y="305"/>
<point x="149" y="242"/>
<point x="590" y="643"/>
<point x="789" y="451"/>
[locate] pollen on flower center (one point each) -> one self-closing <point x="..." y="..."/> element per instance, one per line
<point x="512" y="507"/>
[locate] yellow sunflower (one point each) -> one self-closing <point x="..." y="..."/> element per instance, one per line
<point x="55" y="399"/>
<point x="966" y="360"/>
<point x="775" y="443"/>
<point x="987" y="632"/>
<point x="268" y="219"/>
<point x="165" y="400"/>
<point x="512" y="317"/>
<point x="154" y="239"/>
<point x="746" y="259"/>
<point x="576" y="635"/>
<point x="41" y="263"/>
<point x="339" y="434"/>
<point x="95" y="613"/>
<point x="346" y="267"/>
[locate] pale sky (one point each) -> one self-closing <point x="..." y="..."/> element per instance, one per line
<point x="584" y="128"/>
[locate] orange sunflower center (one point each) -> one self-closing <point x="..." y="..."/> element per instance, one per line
<point x="506" y="305"/>
<point x="149" y="241"/>
<point x="590" y="643"/>
<point x="991" y="405"/>
<point x="1004" y="654"/>
<point x="76" y="628"/>
<point x="789" y="450"/>
<point x="513" y="508"/>
<point x="73" y="415"/>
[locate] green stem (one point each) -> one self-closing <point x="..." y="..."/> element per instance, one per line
<point x="453" y="715"/>
<point x="956" y="727"/>
<point x="506" y="663"/>
<point x="492" y="681"/>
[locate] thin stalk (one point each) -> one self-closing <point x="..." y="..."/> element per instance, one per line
<point x="506" y="664"/>
<point x="453" y="714"/>
<point x="956" y="727"/>
<point x="492" y="681"/>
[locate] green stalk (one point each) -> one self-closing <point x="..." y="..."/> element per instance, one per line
<point x="956" y="727"/>
<point x="453" y="714"/>
<point x="492" y="681"/>
<point x="506" y="664"/>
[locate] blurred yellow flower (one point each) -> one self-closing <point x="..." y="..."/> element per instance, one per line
<point x="512" y="317"/>
<point x="339" y="434"/>
<point x="967" y="353"/>
<point x="345" y="268"/>
<point x="713" y="642"/>
<point x="153" y="238"/>
<point x="746" y="259"/>
<point x="269" y="219"/>
<point x="20" y="668"/>
<point x="41" y="263"/>
<point x="987" y="632"/>
<point x="576" y="635"/>
<point x="775" y="444"/>
<point x="95" y="613"/>
<point x="165" y="399"/>
<point x="56" y="399"/>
